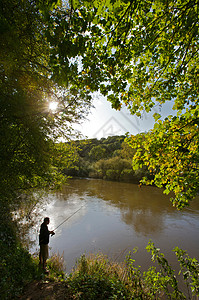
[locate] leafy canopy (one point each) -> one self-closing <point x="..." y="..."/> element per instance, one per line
<point x="38" y="60"/>
<point x="142" y="54"/>
<point x="137" y="53"/>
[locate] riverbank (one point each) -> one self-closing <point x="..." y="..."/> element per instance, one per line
<point x="105" y="203"/>
<point x="45" y="289"/>
<point x="115" y="218"/>
<point x="96" y="277"/>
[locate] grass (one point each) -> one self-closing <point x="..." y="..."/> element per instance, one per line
<point x="96" y="277"/>
<point x="56" y="265"/>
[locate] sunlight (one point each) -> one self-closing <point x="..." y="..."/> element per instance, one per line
<point x="53" y="105"/>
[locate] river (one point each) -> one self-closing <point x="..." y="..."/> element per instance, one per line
<point x="114" y="218"/>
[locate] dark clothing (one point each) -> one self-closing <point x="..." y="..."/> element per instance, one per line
<point x="44" y="234"/>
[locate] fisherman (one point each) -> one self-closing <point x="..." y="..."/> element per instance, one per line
<point x="43" y="242"/>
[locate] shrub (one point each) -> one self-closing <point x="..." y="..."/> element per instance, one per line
<point x="95" y="277"/>
<point x="57" y="267"/>
<point x="17" y="268"/>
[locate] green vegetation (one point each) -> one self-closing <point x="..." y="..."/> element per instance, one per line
<point x="137" y="53"/>
<point x="97" y="277"/>
<point x="30" y="131"/>
<point x="16" y="265"/>
<point x="144" y="54"/>
<point x="17" y="269"/>
<point x="33" y="74"/>
<point x="108" y="158"/>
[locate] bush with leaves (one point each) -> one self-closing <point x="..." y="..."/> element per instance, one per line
<point x="96" y="277"/>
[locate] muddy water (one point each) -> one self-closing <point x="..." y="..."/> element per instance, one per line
<point x="114" y="218"/>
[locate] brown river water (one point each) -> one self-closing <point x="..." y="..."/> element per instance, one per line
<point x="114" y="218"/>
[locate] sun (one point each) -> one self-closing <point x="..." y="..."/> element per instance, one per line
<point x="53" y="105"/>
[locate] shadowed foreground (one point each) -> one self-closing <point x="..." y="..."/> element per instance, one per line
<point x="96" y="277"/>
<point x="46" y="289"/>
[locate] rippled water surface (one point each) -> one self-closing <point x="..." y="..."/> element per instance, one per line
<point x="114" y="218"/>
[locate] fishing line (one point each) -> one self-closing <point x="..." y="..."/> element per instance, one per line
<point x="68" y="218"/>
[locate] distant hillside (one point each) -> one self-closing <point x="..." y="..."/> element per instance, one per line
<point x="108" y="158"/>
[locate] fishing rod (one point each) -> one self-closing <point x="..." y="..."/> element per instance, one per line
<point x="68" y="218"/>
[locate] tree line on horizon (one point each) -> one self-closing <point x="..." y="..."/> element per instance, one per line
<point x="106" y="158"/>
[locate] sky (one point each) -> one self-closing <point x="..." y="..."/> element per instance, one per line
<point x="104" y="121"/>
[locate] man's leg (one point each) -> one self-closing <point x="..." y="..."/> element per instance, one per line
<point x="40" y="257"/>
<point x="44" y="264"/>
<point x="44" y="256"/>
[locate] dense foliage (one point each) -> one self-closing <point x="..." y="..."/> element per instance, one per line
<point x="137" y="53"/>
<point x="144" y="53"/>
<point x="35" y="70"/>
<point x="29" y="82"/>
<point x="16" y="265"/>
<point x="108" y="158"/>
<point x="96" y="277"/>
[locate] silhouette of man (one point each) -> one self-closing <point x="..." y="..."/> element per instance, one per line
<point x="43" y="242"/>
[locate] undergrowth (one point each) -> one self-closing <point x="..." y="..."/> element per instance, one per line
<point x="56" y="266"/>
<point x="96" y="277"/>
<point x="17" y="267"/>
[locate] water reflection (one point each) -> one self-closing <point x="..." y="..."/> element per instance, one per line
<point x="115" y="218"/>
<point x="142" y="208"/>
